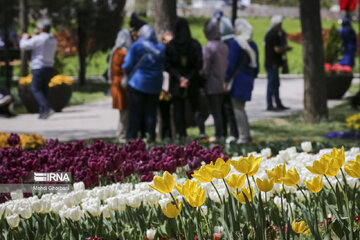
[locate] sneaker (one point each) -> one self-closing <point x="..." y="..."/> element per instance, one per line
<point x="282" y="107"/>
<point x="47" y="114"/>
<point x="272" y="109"/>
<point x="5" y="100"/>
<point x="230" y="139"/>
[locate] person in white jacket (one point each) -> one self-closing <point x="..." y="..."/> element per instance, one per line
<point x="43" y="47"/>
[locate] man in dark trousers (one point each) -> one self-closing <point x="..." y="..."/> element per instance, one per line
<point x="274" y="51"/>
<point x="43" y="47"/>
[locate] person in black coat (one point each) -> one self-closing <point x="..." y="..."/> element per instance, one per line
<point x="183" y="61"/>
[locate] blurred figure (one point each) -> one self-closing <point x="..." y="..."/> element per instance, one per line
<point x="165" y="96"/>
<point x="43" y="47"/>
<point x="183" y="61"/>
<point x="215" y="60"/>
<point x="116" y="73"/>
<point x="6" y="102"/>
<point x="348" y="37"/>
<point x="274" y="50"/>
<point x="135" y="24"/>
<point x="227" y="36"/>
<point x="144" y="66"/>
<point x="243" y="68"/>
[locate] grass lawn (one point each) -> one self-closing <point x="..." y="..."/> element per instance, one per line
<point x="97" y="64"/>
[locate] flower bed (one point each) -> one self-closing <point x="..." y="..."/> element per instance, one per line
<point x="60" y="91"/>
<point x="26" y="141"/>
<point x="291" y="194"/>
<point x="101" y="163"/>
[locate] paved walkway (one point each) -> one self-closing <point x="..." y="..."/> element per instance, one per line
<point x="98" y="120"/>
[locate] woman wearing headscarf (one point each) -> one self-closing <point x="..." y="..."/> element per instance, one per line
<point x="243" y="68"/>
<point x="183" y="61"/>
<point x="215" y="60"/>
<point x="116" y="73"/>
<point x="144" y="67"/>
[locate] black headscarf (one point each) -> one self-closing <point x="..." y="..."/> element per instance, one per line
<point x="135" y="22"/>
<point x="182" y="35"/>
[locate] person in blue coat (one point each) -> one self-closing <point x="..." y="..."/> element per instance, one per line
<point x="243" y="68"/>
<point x="143" y="65"/>
<point x="348" y="42"/>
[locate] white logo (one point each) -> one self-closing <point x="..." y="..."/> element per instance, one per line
<point x="52" y="177"/>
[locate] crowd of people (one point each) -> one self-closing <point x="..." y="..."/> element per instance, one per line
<point x="147" y="75"/>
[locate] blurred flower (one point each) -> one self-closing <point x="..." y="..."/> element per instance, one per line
<point x="235" y="181"/>
<point x="171" y="211"/>
<point x="164" y="184"/>
<point x="314" y="185"/>
<point x="150" y="234"/>
<point x="244" y="191"/>
<point x="306" y="146"/>
<point x="249" y="166"/>
<point x="299" y="227"/>
<point x="277" y="173"/>
<point x="353" y="169"/>
<point x="265" y="185"/>
<point x="204" y="210"/>
<point x="291" y="178"/>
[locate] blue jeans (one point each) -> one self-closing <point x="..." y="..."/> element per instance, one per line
<point x="40" y="86"/>
<point x="142" y="109"/>
<point x="273" y="87"/>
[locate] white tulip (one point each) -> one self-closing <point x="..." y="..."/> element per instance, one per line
<point x="150" y="234"/>
<point x="17" y="195"/>
<point x="204" y="210"/>
<point x="25" y="212"/>
<point x="266" y="152"/>
<point x="36" y="206"/>
<point x="306" y="146"/>
<point x="13" y="220"/>
<point x="105" y="210"/>
<point x="75" y="213"/>
<point x="218" y="229"/>
<point x="79" y="186"/>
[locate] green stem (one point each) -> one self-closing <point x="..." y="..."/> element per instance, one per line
<point x="207" y="222"/>
<point x="327" y="179"/>
<point x="217" y="192"/>
<point x="181" y="219"/>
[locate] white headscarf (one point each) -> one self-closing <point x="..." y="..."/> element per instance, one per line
<point x="276" y="20"/>
<point x="243" y="35"/>
<point x="123" y="40"/>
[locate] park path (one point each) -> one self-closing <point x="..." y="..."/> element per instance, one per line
<point x="99" y="120"/>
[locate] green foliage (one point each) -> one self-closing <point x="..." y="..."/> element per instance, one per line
<point x="333" y="46"/>
<point x="291" y="3"/>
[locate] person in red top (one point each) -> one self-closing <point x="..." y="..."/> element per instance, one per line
<point x="116" y="73"/>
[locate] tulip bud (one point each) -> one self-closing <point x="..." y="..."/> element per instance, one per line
<point x="204" y="210"/>
<point x="306" y="146"/>
<point x="150" y="234"/>
<point x="16" y="195"/>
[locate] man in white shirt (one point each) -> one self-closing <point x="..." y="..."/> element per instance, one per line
<point x="43" y="47"/>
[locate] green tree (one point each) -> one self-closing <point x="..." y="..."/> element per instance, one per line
<point x="333" y="46"/>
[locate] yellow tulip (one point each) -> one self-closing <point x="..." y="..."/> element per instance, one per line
<point x="164" y="184"/>
<point x="338" y="157"/>
<point x="314" y="185"/>
<point x="196" y="198"/>
<point x="194" y="194"/>
<point x="241" y="198"/>
<point x="299" y="227"/>
<point x="291" y="178"/>
<point x="203" y="174"/>
<point x="188" y="186"/>
<point x="249" y="166"/>
<point x="171" y="211"/>
<point x="235" y="181"/>
<point x="353" y="169"/>
<point x="277" y="173"/>
<point x="325" y="166"/>
<point x="265" y="185"/>
<point x="220" y="170"/>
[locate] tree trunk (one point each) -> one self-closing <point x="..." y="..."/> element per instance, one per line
<point x="82" y="46"/>
<point x="165" y="15"/>
<point x="23" y="19"/>
<point x="234" y="11"/>
<point x="315" y="105"/>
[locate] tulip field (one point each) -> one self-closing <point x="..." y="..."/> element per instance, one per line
<point x="183" y="192"/>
